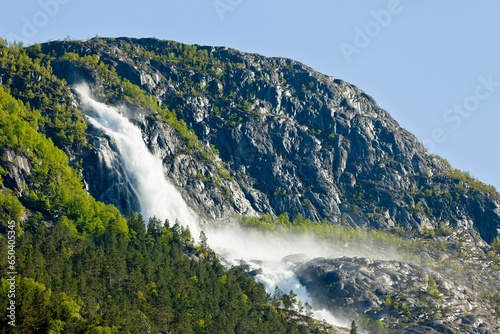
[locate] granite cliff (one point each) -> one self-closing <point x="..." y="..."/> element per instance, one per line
<point x="291" y="139"/>
<point x="242" y="134"/>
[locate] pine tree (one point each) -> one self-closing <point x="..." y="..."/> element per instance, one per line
<point x="154" y="227"/>
<point x="354" y="328"/>
<point x="308" y="307"/>
<point x="203" y="241"/>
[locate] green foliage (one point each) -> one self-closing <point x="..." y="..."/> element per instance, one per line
<point x="393" y="303"/>
<point x="418" y="207"/>
<point x="443" y="229"/>
<point x="28" y="76"/>
<point x="85" y="269"/>
<point x="55" y="189"/>
<point x="428" y="232"/>
<point x="108" y="283"/>
<point x="306" y="204"/>
<point x="40" y="309"/>
<point x="279" y="192"/>
<point x="496" y="244"/>
<point x="354" y="328"/>
<point x="247" y="107"/>
<point x="432" y="288"/>
<point x="493" y="297"/>
<point x="373" y="326"/>
<point x="316" y="132"/>
<point x="443" y="160"/>
<point x="92" y="60"/>
<point x="324" y="230"/>
<point x="10" y="207"/>
<point x="469" y="182"/>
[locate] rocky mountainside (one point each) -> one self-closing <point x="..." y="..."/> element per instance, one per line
<point x="242" y="134"/>
<point x="289" y="139"/>
<point x="354" y="286"/>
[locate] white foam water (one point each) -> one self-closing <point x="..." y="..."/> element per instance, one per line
<point x="159" y="198"/>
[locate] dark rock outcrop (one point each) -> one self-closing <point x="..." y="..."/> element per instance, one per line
<point x="293" y="140"/>
<point x="284" y="138"/>
<point x="395" y="292"/>
<point x="18" y="168"/>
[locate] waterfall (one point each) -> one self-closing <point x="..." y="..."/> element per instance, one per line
<point x="158" y="197"/>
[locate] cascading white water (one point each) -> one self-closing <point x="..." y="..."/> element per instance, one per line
<point x="274" y="257"/>
<point x="157" y="197"/>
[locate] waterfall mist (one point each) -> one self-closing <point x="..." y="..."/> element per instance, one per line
<point x="272" y="256"/>
<point x="157" y="197"/>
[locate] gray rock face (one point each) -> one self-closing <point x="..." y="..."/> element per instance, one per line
<point x="395" y="292"/>
<point x="105" y="176"/>
<point x="197" y="179"/>
<point x="108" y="180"/>
<point x="291" y="140"/>
<point x="18" y="168"/>
<point x="294" y="140"/>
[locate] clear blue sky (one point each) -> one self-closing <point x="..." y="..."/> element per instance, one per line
<point x="427" y="62"/>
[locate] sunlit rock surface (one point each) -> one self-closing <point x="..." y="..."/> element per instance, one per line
<point x="291" y="140"/>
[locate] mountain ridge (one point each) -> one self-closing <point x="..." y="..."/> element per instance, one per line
<point x="346" y="127"/>
<point x="242" y="134"/>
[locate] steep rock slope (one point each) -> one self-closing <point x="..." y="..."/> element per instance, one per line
<point x="244" y="134"/>
<point x="392" y="290"/>
<point x="292" y="139"/>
